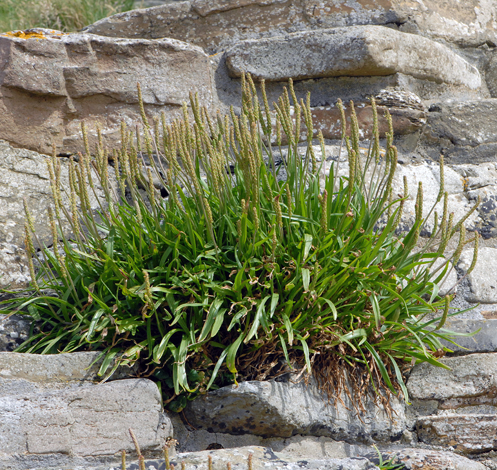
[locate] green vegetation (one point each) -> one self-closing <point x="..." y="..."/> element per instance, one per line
<point x="257" y="261"/>
<point x="61" y="15"/>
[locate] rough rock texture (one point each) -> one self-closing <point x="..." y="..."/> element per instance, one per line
<point x="422" y="459"/>
<point x="470" y="433"/>
<point x="14" y="330"/>
<point x="263" y="457"/>
<point x="485" y="340"/>
<point x="277" y="409"/>
<point x="471" y="376"/>
<point x="50" y="85"/>
<point x="483" y="279"/>
<point x="216" y="25"/>
<point x="350" y="51"/>
<point x="23" y="175"/>
<point x="456" y="407"/>
<point x="50" y="412"/>
<point x="463" y="131"/>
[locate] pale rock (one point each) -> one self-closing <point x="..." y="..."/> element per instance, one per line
<point x="70" y="421"/>
<point x="351" y="51"/>
<point x="464" y="131"/>
<point x="483" y="279"/>
<point x="466" y="433"/>
<point x="277" y="409"/>
<point x="469" y="377"/>
<point x="217" y="25"/>
<point x="52" y="84"/>
<point x="24" y="175"/>
<point x="423" y="459"/>
<point x="484" y="339"/>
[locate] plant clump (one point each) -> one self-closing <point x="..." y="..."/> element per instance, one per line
<point x="216" y="256"/>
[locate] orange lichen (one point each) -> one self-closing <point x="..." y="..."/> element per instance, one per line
<point x="30" y="34"/>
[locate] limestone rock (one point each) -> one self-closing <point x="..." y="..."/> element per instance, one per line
<point x="63" y="368"/>
<point x="422" y="459"/>
<point x="24" y="175"/>
<point x="64" y="418"/>
<point x="264" y="457"/>
<point x="351" y="51"/>
<point x="467" y="433"/>
<point x="52" y="83"/>
<point x="14" y="330"/>
<point x="277" y="409"/>
<point x="491" y="75"/>
<point x="483" y="279"/>
<point x="464" y="131"/>
<point x="469" y="377"/>
<point x="485" y="340"/>
<point x="217" y="25"/>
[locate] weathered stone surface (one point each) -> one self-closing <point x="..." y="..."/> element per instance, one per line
<point x="211" y="25"/>
<point x="14" y="330"/>
<point x="470" y="434"/>
<point x="24" y="175"/>
<point x="491" y="75"/>
<point x="469" y="377"/>
<point x="483" y="341"/>
<point x="55" y="368"/>
<point x="71" y="422"/>
<point x="219" y="24"/>
<point x="277" y="409"/>
<point x="422" y="459"/>
<point x="263" y="457"/>
<point x="464" y="131"/>
<point x="49" y="86"/>
<point x="483" y="279"/>
<point x="351" y="51"/>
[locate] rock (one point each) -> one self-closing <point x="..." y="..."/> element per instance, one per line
<point x="485" y="340"/>
<point x="469" y="378"/>
<point x="211" y="25"/>
<point x="57" y="81"/>
<point x="456" y="407"/>
<point x="14" y="330"/>
<point x="277" y="409"/>
<point x="263" y="457"/>
<point x="217" y="25"/>
<point x="483" y="279"/>
<point x="63" y="368"/>
<point x="24" y="175"/>
<point x="351" y="51"/>
<point x="49" y="411"/>
<point x="464" y="131"/>
<point x="491" y="75"/>
<point x="467" y="433"/>
<point x="422" y="459"/>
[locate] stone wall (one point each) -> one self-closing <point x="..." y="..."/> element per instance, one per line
<point x="431" y="63"/>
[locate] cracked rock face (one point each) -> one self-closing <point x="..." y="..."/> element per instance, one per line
<point x="53" y="415"/>
<point x="277" y="409"/>
<point x="216" y="25"/>
<point x="52" y="82"/>
<point x="24" y="175"/>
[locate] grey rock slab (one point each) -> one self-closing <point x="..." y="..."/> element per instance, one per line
<point x="468" y="377"/>
<point x="352" y="51"/>
<point x="483" y="279"/>
<point x="424" y="459"/>
<point x="55" y="368"/>
<point x="278" y="409"/>
<point x="85" y="421"/>
<point x="262" y="457"/>
<point x="469" y="434"/>
<point x="467" y="123"/>
<point x="58" y="81"/>
<point x="485" y="340"/>
<point x="24" y="175"/>
<point x="219" y="24"/>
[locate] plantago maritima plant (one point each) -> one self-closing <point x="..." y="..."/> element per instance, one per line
<point x="208" y="266"/>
